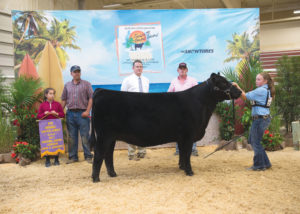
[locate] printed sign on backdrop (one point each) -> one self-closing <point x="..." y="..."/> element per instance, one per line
<point x="104" y="43"/>
<point x="51" y="137"/>
<point x="143" y="42"/>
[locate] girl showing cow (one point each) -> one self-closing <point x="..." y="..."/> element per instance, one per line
<point x="260" y="99"/>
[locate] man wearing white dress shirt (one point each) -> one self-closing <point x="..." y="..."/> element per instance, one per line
<point x="136" y="83"/>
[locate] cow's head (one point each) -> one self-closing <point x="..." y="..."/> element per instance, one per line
<point x="223" y="89"/>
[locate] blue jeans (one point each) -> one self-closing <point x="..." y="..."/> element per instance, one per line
<point x="260" y="159"/>
<point x="194" y="148"/>
<point x="77" y="123"/>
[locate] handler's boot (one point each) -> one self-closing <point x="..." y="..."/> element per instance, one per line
<point x="130" y="157"/>
<point x="195" y="153"/>
<point x="133" y="157"/>
<point x="56" y="162"/>
<point x="47" y="163"/>
<point x="141" y="155"/>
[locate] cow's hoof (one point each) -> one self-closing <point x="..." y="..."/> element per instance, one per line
<point x="112" y="174"/>
<point x="96" y="180"/>
<point x="189" y="173"/>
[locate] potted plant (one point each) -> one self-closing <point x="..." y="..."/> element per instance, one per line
<point x="24" y="152"/>
<point x="244" y="75"/>
<point x="26" y="94"/>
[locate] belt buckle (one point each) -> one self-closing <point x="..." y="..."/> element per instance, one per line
<point x="75" y="110"/>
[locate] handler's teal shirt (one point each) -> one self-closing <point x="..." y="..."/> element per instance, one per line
<point x="259" y="95"/>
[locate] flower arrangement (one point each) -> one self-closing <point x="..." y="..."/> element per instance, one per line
<point x="25" y="120"/>
<point x="271" y="141"/>
<point x="224" y="110"/>
<point x="23" y="113"/>
<point x="23" y="149"/>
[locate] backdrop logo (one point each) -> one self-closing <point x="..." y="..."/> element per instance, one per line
<point x="143" y="42"/>
<point x="138" y="38"/>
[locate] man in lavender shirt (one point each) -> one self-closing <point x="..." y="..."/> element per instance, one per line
<point x="181" y="83"/>
<point x="77" y="96"/>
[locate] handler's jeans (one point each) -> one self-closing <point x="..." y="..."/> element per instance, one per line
<point x="194" y="148"/>
<point x="77" y="123"/>
<point x="260" y="159"/>
<point x="132" y="148"/>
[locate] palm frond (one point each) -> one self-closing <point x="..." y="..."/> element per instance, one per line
<point x="248" y="70"/>
<point x="230" y="74"/>
<point x="25" y="91"/>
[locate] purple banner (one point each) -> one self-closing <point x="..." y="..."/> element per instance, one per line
<point x="51" y="137"/>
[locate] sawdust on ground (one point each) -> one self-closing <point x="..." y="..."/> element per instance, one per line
<point x="156" y="185"/>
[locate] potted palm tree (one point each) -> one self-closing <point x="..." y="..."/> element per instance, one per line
<point x="25" y="94"/>
<point x="245" y="76"/>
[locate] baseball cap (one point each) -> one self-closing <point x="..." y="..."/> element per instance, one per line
<point x="75" y="68"/>
<point x="182" y="65"/>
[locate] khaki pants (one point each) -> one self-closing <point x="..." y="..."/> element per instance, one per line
<point x="132" y="149"/>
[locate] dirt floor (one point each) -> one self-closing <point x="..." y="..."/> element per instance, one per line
<point x="156" y="185"/>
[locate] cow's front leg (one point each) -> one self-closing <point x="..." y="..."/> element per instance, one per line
<point x="188" y="167"/>
<point x="181" y="158"/>
<point x="186" y="154"/>
<point x="109" y="162"/>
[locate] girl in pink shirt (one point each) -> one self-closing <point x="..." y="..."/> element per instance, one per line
<point x="50" y="109"/>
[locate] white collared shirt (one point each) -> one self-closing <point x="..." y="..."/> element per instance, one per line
<point x="131" y="84"/>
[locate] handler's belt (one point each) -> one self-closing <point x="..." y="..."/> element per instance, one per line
<point x="255" y="117"/>
<point x="76" y="110"/>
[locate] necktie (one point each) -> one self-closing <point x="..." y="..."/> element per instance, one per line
<point x="140" y="84"/>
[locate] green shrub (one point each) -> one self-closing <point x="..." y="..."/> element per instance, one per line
<point x="246" y="121"/>
<point x="288" y="89"/>
<point x="276" y="121"/>
<point x="225" y="111"/>
<point x="7" y="134"/>
<point x="7" y="131"/>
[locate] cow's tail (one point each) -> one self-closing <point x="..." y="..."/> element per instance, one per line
<point x="93" y="136"/>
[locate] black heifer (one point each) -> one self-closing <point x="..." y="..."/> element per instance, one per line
<point x="149" y="119"/>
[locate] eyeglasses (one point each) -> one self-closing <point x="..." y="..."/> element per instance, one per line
<point x="77" y="71"/>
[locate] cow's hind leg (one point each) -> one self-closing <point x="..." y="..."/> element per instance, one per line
<point x="97" y="163"/>
<point x="98" y="160"/>
<point x="109" y="161"/>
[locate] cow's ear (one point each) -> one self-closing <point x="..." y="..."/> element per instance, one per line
<point x="213" y="76"/>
